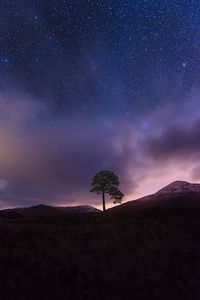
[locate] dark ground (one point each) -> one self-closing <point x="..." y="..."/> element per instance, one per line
<point x="141" y="255"/>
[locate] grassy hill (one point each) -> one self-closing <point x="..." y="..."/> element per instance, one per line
<point x="131" y="254"/>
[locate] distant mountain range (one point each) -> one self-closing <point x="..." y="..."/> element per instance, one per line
<point x="45" y="212"/>
<point x="179" y="195"/>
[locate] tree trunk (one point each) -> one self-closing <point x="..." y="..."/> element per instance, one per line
<point x="103" y="198"/>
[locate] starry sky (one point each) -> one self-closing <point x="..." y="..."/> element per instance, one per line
<point x="88" y="85"/>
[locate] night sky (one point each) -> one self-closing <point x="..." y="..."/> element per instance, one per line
<point x="88" y="85"/>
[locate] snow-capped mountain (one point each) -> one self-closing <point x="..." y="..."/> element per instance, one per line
<point x="180" y="187"/>
<point x="178" y="194"/>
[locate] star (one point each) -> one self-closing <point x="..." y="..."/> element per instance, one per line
<point x="145" y="125"/>
<point x="5" y="60"/>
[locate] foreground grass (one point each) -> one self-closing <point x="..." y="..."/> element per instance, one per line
<point x="102" y="257"/>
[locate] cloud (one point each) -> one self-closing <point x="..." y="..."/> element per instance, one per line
<point x="48" y="159"/>
<point x="177" y="142"/>
<point x="52" y="160"/>
<point x="195" y="173"/>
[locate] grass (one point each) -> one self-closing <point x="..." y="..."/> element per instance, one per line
<point x="127" y="256"/>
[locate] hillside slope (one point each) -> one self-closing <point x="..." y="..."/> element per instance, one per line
<point x="144" y="251"/>
<point x="45" y="212"/>
<point x="179" y="195"/>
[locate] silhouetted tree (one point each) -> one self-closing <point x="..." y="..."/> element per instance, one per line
<point x="116" y="196"/>
<point x="106" y="182"/>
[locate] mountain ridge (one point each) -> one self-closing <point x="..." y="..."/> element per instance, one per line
<point x="179" y="194"/>
<point x="176" y="194"/>
<point x="47" y="212"/>
<point x="180" y="187"/>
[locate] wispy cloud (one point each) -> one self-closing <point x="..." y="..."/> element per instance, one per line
<point x="52" y="160"/>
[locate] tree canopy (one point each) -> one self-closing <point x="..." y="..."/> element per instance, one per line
<point x="106" y="182"/>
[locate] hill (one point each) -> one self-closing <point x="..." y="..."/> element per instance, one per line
<point x="44" y="212"/>
<point x="175" y="197"/>
<point x="145" y="249"/>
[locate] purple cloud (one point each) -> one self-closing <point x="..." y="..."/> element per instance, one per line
<point x="51" y="160"/>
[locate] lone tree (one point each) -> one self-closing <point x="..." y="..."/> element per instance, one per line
<point x="106" y="182"/>
<point x="117" y="196"/>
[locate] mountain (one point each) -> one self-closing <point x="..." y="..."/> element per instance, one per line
<point x="144" y="249"/>
<point x="45" y="212"/>
<point x="177" y="187"/>
<point x="177" y="195"/>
